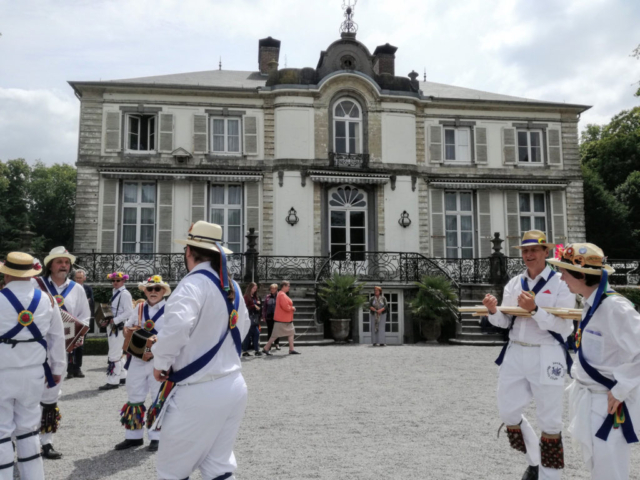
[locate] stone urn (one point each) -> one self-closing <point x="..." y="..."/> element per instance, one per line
<point x="340" y="328"/>
<point x="430" y="329"/>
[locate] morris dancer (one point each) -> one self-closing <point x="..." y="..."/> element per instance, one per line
<point x="74" y="369"/>
<point x="30" y="327"/>
<point x="140" y="381"/>
<point x="535" y="359"/>
<point x="198" y="352"/>
<point x="122" y="307"/>
<point x="71" y="297"/>
<point x="604" y="398"/>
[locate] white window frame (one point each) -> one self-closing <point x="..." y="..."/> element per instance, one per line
<point x="347" y="227"/>
<point x="348" y="120"/>
<point x="457" y="145"/>
<point x="532" y="215"/>
<point x="140" y="116"/>
<point x="138" y="206"/>
<point x="458" y="214"/>
<point x="226" y="136"/>
<point x="529" y="147"/>
<point x="226" y="207"/>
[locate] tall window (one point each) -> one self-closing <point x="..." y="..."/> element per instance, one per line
<point x="348" y="222"/>
<point x="533" y="212"/>
<point x="530" y="146"/>
<point x="456" y="144"/>
<point x="347" y="127"/>
<point x="141" y="132"/>
<point x="226" y="211"/>
<point x="225" y="135"/>
<point x="138" y="217"/>
<point x="459" y="224"/>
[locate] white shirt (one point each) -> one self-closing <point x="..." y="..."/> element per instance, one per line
<point x="122" y="306"/>
<point x="75" y="302"/>
<point x="195" y="319"/>
<point x="533" y="329"/>
<point x="47" y="319"/>
<point x="611" y="345"/>
<point x="132" y="321"/>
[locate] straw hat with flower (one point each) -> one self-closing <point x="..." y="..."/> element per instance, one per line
<point x="155" y="281"/>
<point x="20" y="264"/>
<point x="581" y="257"/>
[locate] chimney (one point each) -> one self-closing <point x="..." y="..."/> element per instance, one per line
<point x="268" y="51"/>
<point x="384" y="59"/>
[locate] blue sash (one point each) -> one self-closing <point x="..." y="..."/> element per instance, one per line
<point x="627" y="426"/>
<point x="232" y="308"/>
<point x="32" y="327"/>
<point x="115" y="295"/>
<point x="525" y="288"/>
<point x="54" y="291"/>
<point x="155" y="318"/>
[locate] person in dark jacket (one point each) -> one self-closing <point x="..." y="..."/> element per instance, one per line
<point x="268" y="311"/>
<point x="74" y="368"/>
<point x="254" y="306"/>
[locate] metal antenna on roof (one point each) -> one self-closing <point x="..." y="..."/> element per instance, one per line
<point x="349" y="26"/>
<point x="425" y="74"/>
<point x="220" y="64"/>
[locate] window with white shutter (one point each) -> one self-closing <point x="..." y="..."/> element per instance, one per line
<point x="200" y="134"/>
<point x="250" y="125"/>
<point x="165" y="216"/>
<point x="457" y="145"/>
<point x="435" y="143"/>
<point x="225" y="135"/>
<point x="555" y="148"/>
<point x="437" y="223"/>
<point x="109" y="215"/>
<point x="140" y="132"/>
<point x="226" y="211"/>
<point x="508" y="146"/>
<point x="530" y="146"/>
<point x="482" y="148"/>
<point x="533" y="212"/>
<point x="138" y="217"/>
<point x="166" y="132"/>
<point x="112" y="134"/>
<point x="484" y="223"/>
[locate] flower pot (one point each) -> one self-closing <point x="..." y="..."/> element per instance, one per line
<point x="340" y="329"/>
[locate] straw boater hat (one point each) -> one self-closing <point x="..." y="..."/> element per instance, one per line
<point x="534" y="237"/>
<point x="20" y="264"/>
<point x="59" y="252"/>
<point x="154" y="281"/>
<point x="204" y="235"/>
<point x="582" y="257"/>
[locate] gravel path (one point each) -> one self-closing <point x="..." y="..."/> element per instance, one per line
<point x="338" y="412"/>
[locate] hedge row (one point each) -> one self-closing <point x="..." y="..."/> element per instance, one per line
<point x="96" y="346"/>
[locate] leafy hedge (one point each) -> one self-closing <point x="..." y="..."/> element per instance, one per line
<point x="632" y="294"/>
<point x="103" y="294"/>
<point x="96" y="346"/>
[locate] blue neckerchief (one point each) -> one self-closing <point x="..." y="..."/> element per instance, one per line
<point x="525" y="288"/>
<point x="54" y="291"/>
<point x="232" y="308"/>
<point x="155" y="318"/>
<point x="32" y="327"/>
<point x="627" y="427"/>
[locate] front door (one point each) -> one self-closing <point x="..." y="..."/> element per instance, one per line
<point x="348" y="223"/>
<point x="395" y="317"/>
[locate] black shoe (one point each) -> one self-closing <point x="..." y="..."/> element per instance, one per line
<point x="258" y="353"/>
<point x="123" y="381"/>
<point x="266" y="353"/>
<point x="78" y="373"/>
<point x="69" y="376"/>
<point x="246" y="354"/>
<point x="49" y="452"/>
<point x="531" y="473"/>
<point x="293" y="352"/>
<point x="153" y="446"/>
<point x="129" y="443"/>
<point x="108" y="386"/>
<point x="277" y="346"/>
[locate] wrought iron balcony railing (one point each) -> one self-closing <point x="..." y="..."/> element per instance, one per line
<point x="347" y="160"/>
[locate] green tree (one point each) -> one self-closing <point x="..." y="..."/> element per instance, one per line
<point x="629" y="195"/>
<point x="14" y="208"/>
<point x="53" y="199"/>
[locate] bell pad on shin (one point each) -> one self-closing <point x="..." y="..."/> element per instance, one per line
<point x="50" y="418"/>
<point x="516" y="440"/>
<point x="551" y="451"/>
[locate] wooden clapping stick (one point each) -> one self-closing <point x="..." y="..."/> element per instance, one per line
<point x="566" y="313"/>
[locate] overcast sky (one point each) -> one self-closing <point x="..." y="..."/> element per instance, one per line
<point x="576" y="51"/>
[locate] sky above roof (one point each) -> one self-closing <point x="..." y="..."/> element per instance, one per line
<point x="573" y="51"/>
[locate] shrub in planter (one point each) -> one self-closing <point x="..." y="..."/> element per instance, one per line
<point x="435" y="307"/>
<point x="341" y="296"/>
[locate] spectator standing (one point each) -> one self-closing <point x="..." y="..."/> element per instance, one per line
<point x="269" y="309"/>
<point x="378" y="317"/>
<point x="283" y="320"/>
<point x="254" y="306"/>
<point x="75" y="369"/>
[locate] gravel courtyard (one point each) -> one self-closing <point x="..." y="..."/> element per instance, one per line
<point x="338" y="412"/>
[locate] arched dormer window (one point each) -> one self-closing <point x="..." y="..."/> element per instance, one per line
<point x="347" y="127"/>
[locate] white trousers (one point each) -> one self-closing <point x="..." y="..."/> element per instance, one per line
<point x="141" y="383"/>
<point x="200" y="428"/>
<point x="20" y="393"/>
<point x="115" y="355"/>
<point x="518" y="384"/>
<point x="49" y="396"/>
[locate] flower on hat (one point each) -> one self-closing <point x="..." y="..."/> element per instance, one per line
<point x="37" y="266"/>
<point x="113" y="275"/>
<point x="559" y="252"/>
<point x="157" y="279"/>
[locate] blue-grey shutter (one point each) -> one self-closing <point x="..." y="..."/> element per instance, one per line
<point x="198" y="201"/>
<point x="513" y="222"/>
<point x="112" y="132"/>
<point x="165" y="217"/>
<point x="437" y="224"/>
<point x="435" y="144"/>
<point x="109" y="215"/>
<point x="555" y="154"/>
<point x="482" y="152"/>
<point x="484" y="223"/>
<point x="250" y="126"/>
<point x="166" y="133"/>
<point x="200" y="135"/>
<point x="509" y="149"/>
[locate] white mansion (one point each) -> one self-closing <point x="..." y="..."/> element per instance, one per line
<point x="368" y="161"/>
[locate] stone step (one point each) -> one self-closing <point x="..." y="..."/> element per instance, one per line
<point x="477" y="343"/>
<point x="479" y="337"/>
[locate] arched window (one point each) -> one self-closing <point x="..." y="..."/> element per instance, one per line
<point x="348" y="222"/>
<point x="347" y="127"/>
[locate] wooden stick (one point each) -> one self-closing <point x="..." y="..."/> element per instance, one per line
<point x="566" y="313"/>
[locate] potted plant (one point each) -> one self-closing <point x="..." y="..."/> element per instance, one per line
<point x="435" y="306"/>
<point x="342" y="298"/>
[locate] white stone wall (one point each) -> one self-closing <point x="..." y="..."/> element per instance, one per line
<point x="399" y="138"/>
<point x="294" y="132"/>
<point x="181" y="211"/>
<point x="397" y="238"/>
<point x="296" y="240"/>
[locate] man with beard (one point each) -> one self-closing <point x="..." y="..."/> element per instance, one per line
<point x="70" y="297"/>
<point x="535" y="359"/>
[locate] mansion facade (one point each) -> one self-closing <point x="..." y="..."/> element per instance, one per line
<point x="364" y="160"/>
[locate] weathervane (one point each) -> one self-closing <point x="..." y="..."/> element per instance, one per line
<point x="349" y="26"/>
